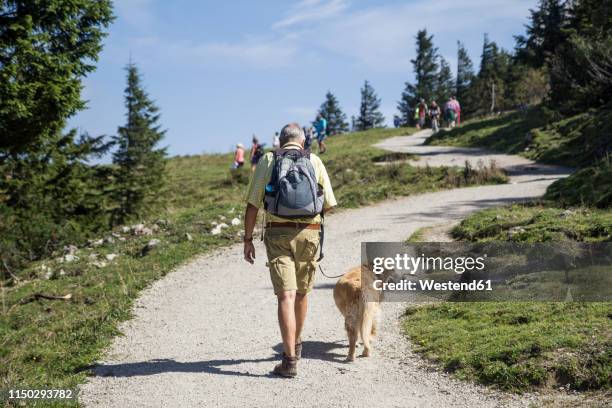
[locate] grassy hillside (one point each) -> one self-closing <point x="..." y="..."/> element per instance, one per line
<point x="521" y="346"/>
<point x="51" y="343"/>
<point x="536" y="134"/>
<point x="536" y="222"/>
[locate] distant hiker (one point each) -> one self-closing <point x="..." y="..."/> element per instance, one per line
<point x="397" y="121"/>
<point x="239" y="156"/>
<point x="457" y="108"/>
<point x="293" y="187"/>
<point x="308" y="134"/>
<point x="450" y="113"/>
<point x="320" y="126"/>
<point x="275" y="142"/>
<point x="434" y="115"/>
<point x="256" y="152"/>
<point x="421" y="113"/>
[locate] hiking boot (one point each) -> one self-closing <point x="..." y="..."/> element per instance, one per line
<point x="298" y="350"/>
<point x="287" y="368"/>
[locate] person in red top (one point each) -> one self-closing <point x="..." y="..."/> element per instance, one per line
<point x="239" y="156"/>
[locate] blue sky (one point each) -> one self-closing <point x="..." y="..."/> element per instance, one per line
<point x="223" y="70"/>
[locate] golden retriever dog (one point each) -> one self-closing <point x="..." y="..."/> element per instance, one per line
<point x="359" y="307"/>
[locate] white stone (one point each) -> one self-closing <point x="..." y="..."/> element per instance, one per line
<point x="153" y="243"/>
<point x="236" y="221"/>
<point x="70" y="258"/>
<point x="137" y="229"/>
<point x="70" y="249"/>
<point x="111" y="257"/>
<point x="96" y="243"/>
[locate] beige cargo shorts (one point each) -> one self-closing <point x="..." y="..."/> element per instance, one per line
<point x="292" y="258"/>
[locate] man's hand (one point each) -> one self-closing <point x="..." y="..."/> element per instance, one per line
<point x="249" y="252"/>
<point x="250" y="217"/>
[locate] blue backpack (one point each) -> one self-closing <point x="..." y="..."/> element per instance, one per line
<point x="293" y="191"/>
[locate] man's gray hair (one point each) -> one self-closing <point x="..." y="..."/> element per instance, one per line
<point x="291" y="133"/>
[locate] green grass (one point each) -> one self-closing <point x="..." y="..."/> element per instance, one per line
<point x="536" y="222"/>
<point x="518" y="346"/>
<point x="538" y="135"/>
<point x="52" y="343"/>
<point x="589" y="186"/>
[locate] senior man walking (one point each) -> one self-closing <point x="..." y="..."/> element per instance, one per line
<point x="293" y="188"/>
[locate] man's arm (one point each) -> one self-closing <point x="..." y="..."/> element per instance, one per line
<point x="250" y="218"/>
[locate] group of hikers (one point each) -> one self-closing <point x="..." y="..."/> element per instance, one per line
<point x="317" y="131"/>
<point x="433" y="114"/>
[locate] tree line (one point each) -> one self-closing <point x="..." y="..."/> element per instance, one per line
<point x="564" y="60"/>
<point x="50" y="192"/>
<point x="53" y="193"/>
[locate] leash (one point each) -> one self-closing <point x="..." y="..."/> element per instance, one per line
<point x="321" y="240"/>
<point x="327" y="276"/>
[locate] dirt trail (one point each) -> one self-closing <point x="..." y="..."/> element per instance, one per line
<point x="206" y="334"/>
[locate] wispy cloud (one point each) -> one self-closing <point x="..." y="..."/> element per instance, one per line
<point x="383" y="36"/>
<point x="137" y="13"/>
<point x="312" y="11"/>
<point x="379" y="37"/>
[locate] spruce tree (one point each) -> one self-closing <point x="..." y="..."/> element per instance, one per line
<point x="426" y="75"/>
<point x="489" y="87"/>
<point x="369" y="111"/>
<point x="407" y="104"/>
<point x="331" y="111"/>
<point x="140" y="164"/>
<point x="545" y="32"/>
<point x="465" y="77"/>
<point x="425" y="66"/>
<point x="49" y="195"/>
<point x="445" y="85"/>
<point x="580" y="74"/>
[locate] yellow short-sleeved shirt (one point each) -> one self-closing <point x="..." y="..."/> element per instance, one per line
<point x="263" y="174"/>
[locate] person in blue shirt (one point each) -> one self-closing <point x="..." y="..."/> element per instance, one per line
<point x="320" y="126"/>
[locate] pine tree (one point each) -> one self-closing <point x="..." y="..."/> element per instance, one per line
<point x="140" y="164"/>
<point x="489" y="87"/>
<point x="406" y="104"/>
<point x="465" y="76"/>
<point x="48" y="192"/>
<point x="369" y="111"/>
<point x="580" y="74"/>
<point x="426" y="75"/>
<point x="331" y="111"/>
<point x="545" y="32"/>
<point x="425" y="66"/>
<point x="445" y="85"/>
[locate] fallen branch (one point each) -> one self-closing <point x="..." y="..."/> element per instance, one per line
<point x="37" y="296"/>
<point x="15" y="278"/>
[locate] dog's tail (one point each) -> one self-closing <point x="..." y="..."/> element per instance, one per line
<point x="367" y="323"/>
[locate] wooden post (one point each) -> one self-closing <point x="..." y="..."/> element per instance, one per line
<point x="492" y="96"/>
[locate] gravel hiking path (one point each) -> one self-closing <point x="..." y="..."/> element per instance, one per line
<point x="207" y="335"/>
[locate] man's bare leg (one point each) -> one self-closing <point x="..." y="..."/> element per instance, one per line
<point x="301" y="307"/>
<point x="287" y="321"/>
